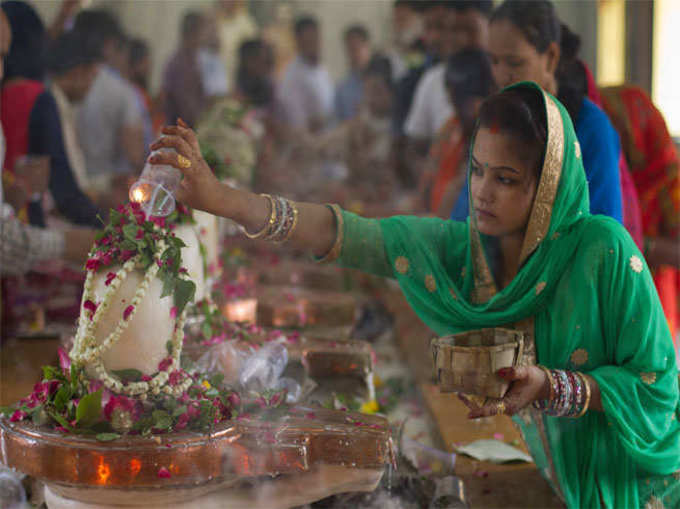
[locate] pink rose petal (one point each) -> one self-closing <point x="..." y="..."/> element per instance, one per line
<point x="127" y="312"/>
<point x="164" y="473"/>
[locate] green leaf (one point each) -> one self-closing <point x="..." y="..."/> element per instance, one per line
<point x="177" y="242"/>
<point x="75" y="371"/>
<point x="130" y="231"/>
<point x="40" y="416"/>
<point x="179" y="411"/>
<point x="52" y="373"/>
<point x="168" y="346"/>
<point x="207" y="330"/>
<point x="161" y="419"/>
<point x="168" y="284"/>
<point x="216" y="379"/>
<point x="128" y="245"/>
<point x="62" y="397"/>
<point x="115" y="217"/>
<point x="145" y="260"/>
<point x="89" y="409"/>
<point x="60" y="420"/>
<point x="128" y="375"/>
<point x="184" y="292"/>
<point x="6" y="410"/>
<point x="107" y="437"/>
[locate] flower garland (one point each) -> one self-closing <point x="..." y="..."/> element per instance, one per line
<point x="141" y="245"/>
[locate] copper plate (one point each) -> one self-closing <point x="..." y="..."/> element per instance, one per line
<point x="235" y="450"/>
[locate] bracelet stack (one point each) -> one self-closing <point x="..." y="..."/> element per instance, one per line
<point x="569" y="394"/>
<point x="283" y="217"/>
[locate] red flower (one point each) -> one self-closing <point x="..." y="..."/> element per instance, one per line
<point x="234" y="399"/>
<point x="91" y="307"/>
<point x="64" y="360"/>
<point x="158" y="221"/>
<point x="164" y="473"/>
<point x="121" y="412"/>
<point x="173" y="312"/>
<point x="126" y="254"/>
<point x="182" y="421"/>
<point x="105" y="259"/>
<point x="140" y="234"/>
<point x="175" y="377"/>
<point x="128" y="311"/>
<point x="18" y="415"/>
<point x="92" y="264"/>
<point x="182" y="270"/>
<point x="146" y="378"/>
<point x="164" y="364"/>
<point x="110" y="277"/>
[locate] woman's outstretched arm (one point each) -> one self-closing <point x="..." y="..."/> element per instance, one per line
<point x="316" y="229"/>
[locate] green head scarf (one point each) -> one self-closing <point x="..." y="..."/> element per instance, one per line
<point x="584" y="295"/>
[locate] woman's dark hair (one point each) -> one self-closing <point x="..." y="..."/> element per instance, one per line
<point x="26" y="57"/>
<point x="138" y="50"/>
<point x="520" y="113"/>
<point x="303" y="23"/>
<point x="468" y="74"/>
<point x="67" y="51"/>
<point x="540" y="25"/>
<point x="382" y="67"/>
<point x="99" y="26"/>
<point x="571" y="77"/>
<point x="258" y="89"/>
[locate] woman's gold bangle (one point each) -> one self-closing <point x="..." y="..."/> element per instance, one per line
<point x="268" y="224"/>
<point x="550" y="381"/>
<point x="586" y="383"/>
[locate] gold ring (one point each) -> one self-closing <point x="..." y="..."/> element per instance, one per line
<point x="183" y="161"/>
<point x="500" y="408"/>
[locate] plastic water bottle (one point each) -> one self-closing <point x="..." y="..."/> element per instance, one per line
<point x="155" y="190"/>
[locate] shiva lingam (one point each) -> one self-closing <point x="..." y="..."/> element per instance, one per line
<point x="123" y="423"/>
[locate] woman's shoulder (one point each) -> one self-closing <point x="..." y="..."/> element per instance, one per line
<point x="604" y="234"/>
<point x="592" y="117"/>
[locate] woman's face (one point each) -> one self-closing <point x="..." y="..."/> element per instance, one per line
<point x="514" y="59"/>
<point x="502" y="184"/>
<point x="378" y="95"/>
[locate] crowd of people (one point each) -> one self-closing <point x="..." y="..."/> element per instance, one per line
<point x="391" y="135"/>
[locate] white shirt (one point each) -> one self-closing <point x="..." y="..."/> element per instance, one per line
<point x="110" y="105"/>
<point x="213" y="73"/>
<point x="306" y="93"/>
<point x="431" y="107"/>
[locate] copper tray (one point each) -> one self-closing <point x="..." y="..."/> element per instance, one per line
<point x="296" y="307"/>
<point x="235" y="450"/>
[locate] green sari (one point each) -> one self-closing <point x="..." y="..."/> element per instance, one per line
<point x="586" y="301"/>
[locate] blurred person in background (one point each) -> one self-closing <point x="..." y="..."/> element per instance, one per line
<point x="306" y="92"/>
<point x="466" y="25"/>
<point x="213" y="72"/>
<point x="23" y="247"/>
<point x="362" y="144"/>
<point x="524" y="45"/>
<point x="139" y="72"/>
<point x="234" y="26"/>
<point x="37" y="146"/>
<point x="183" y="90"/>
<point x="469" y="81"/>
<point x="655" y="168"/>
<point x="349" y="91"/>
<point x="406" y="49"/>
<point x="110" y="125"/>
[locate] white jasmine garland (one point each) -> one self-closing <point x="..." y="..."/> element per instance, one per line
<point x="86" y="351"/>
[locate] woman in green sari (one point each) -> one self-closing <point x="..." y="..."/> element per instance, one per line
<point x="530" y="257"/>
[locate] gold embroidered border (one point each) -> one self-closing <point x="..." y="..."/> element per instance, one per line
<point x="539" y="221"/>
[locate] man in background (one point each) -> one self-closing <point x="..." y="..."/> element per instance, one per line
<point x="182" y="82"/>
<point x="306" y="92"/>
<point x="110" y="126"/>
<point x="349" y="92"/>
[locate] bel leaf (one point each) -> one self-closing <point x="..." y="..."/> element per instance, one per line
<point x="89" y="409"/>
<point x="62" y="397"/>
<point x="107" y="437"/>
<point x="129" y="375"/>
<point x="130" y="231"/>
<point x="184" y="293"/>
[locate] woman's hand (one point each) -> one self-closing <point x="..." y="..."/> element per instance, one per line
<point x="199" y="188"/>
<point x="528" y="384"/>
